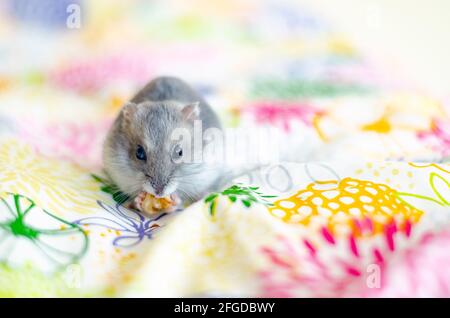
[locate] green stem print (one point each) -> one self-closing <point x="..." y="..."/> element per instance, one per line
<point x="59" y="244"/>
<point x="112" y="189"/>
<point x="438" y="199"/>
<point x="294" y="89"/>
<point x="246" y="195"/>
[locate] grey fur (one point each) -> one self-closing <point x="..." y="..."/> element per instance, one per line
<point x="148" y="120"/>
<point x="167" y="88"/>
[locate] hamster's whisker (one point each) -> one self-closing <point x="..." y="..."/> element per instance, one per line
<point x="184" y="175"/>
<point x="188" y="195"/>
<point x="194" y="171"/>
<point x="182" y="179"/>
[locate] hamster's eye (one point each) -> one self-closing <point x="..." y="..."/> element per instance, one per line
<point x="177" y="153"/>
<point x="140" y="153"/>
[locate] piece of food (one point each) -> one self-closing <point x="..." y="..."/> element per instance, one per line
<point x="148" y="203"/>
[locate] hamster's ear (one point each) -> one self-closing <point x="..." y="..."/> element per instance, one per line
<point x="191" y="111"/>
<point x="129" y="109"/>
<point x="128" y="112"/>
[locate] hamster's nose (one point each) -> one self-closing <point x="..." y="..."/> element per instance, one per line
<point x="159" y="190"/>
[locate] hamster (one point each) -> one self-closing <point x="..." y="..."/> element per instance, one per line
<point x="140" y="153"/>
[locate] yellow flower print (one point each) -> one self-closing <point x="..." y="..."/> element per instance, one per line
<point x="407" y="113"/>
<point x="341" y="203"/>
<point x="386" y="128"/>
<point x="54" y="185"/>
<point x="444" y="167"/>
<point x="381" y="126"/>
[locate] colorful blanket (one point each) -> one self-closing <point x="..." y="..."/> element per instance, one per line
<point x="358" y="205"/>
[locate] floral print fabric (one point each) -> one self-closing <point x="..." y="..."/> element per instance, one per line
<point x="358" y="205"/>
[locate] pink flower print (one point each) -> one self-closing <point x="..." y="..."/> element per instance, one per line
<point x="300" y="270"/>
<point x="282" y="113"/>
<point x="80" y="143"/>
<point x="438" y="137"/>
<point x="420" y="271"/>
<point x="327" y="265"/>
<point x="95" y="74"/>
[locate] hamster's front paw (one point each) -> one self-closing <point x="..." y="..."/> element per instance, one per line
<point x="176" y="202"/>
<point x="148" y="203"/>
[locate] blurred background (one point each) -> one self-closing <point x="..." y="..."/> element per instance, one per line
<point x="414" y="34"/>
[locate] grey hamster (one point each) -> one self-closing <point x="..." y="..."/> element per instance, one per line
<point x="139" y="153"/>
